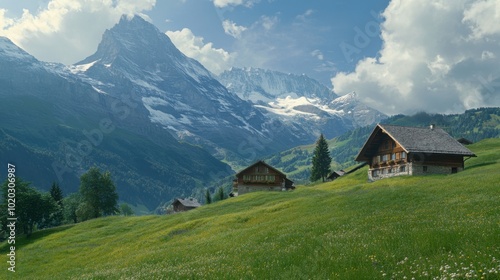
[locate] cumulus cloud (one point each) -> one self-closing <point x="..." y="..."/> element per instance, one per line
<point x="232" y="29"/>
<point x="215" y="60"/>
<point x="67" y="31"/>
<point x="437" y="56"/>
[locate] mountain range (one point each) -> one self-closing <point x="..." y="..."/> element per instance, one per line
<point x="157" y="119"/>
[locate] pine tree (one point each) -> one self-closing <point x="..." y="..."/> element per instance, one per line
<point x="208" y="197"/>
<point x="321" y="160"/>
<point x="57" y="195"/>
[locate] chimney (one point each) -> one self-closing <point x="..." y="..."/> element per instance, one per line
<point x="432" y="126"/>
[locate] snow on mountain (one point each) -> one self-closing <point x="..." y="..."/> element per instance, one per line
<point x="299" y="100"/>
<point x="135" y="60"/>
<point x="260" y="85"/>
<point x="8" y="50"/>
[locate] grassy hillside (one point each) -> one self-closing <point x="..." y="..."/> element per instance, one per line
<point x="433" y="227"/>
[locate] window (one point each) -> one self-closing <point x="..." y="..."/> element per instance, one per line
<point x="402" y="168"/>
<point x="424" y="168"/>
<point x="393" y="156"/>
<point x="375" y="173"/>
<point x="454" y="170"/>
<point x="403" y="154"/>
<point x="385" y="157"/>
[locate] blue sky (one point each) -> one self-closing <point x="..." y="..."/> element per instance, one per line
<point x="399" y="56"/>
<point x="305" y="36"/>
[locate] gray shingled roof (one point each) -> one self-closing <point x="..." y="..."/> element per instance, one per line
<point x="414" y="140"/>
<point x="190" y="202"/>
<point x="426" y="140"/>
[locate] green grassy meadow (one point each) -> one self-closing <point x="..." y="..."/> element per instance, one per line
<point x="432" y="227"/>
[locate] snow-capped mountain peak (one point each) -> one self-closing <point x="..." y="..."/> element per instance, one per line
<point x="137" y="48"/>
<point x="9" y="51"/>
<point x="299" y="99"/>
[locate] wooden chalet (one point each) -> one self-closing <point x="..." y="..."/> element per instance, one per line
<point x="181" y="205"/>
<point x="335" y="174"/>
<point x="261" y="176"/>
<point x="397" y="150"/>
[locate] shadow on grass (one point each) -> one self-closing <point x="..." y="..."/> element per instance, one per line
<point x="482" y="164"/>
<point x="23" y="240"/>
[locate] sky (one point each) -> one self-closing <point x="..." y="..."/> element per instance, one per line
<point x="437" y="56"/>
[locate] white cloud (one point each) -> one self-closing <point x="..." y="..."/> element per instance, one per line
<point x="4" y="21"/>
<point x="437" y="56"/>
<point x="317" y="54"/>
<point x="268" y="22"/>
<point x="215" y="60"/>
<point x="305" y="15"/>
<point x="67" y="30"/>
<point x="227" y="3"/>
<point x="232" y="29"/>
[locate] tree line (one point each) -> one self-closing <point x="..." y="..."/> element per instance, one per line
<point x="36" y="210"/>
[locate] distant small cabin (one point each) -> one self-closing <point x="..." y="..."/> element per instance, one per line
<point x="260" y="176"/>
<point x="181" y="205"/>
<point x="335" y="175"/>
<point x="398" y="150"/>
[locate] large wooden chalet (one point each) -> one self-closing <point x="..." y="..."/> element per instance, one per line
<point x="261" y="176"/>
<point x="397" y="150"/>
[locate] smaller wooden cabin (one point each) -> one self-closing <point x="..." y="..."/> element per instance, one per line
<point x="336" y="174"/>
<point x="181" y="205"/>
<point x="260" y="176"/>
<point x="398" y="150"/>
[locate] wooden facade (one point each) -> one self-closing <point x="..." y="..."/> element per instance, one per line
<point x="260" y="177"/>
<point x="396" y="150"/>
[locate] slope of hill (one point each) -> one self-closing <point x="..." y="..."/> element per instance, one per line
<point x="474" y="125"/>
<point x="432" y="227"/>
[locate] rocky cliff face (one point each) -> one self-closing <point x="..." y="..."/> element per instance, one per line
<point x="136" y="59"/>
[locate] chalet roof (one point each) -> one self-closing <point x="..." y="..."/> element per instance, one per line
<point x="414" y="140"/>
<point x="336" y="174"/>
<point x="262" y="163"/>
<point x="189" y="202"/>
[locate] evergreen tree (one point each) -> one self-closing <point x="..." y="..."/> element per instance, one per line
<point x="56" y="193"/>
<point x="58" y="216"/>
<point x="98" y="193"/>
<point x="219" y="195"/>
<point x="208" y="197"/>
<point x="321" y="160"/>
